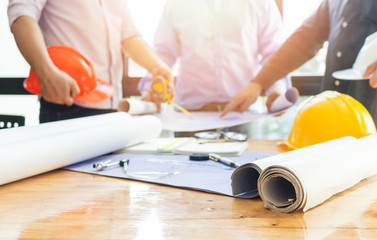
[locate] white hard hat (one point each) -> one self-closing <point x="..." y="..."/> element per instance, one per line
<point x="366" y="56"/>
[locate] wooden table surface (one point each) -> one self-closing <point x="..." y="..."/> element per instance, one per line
<point x="64" y="204"/>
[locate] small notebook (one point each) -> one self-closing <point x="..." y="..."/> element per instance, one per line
<point x="187" y="146"/>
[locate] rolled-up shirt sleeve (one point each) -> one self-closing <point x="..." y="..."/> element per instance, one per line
<point x="30" y="8"/>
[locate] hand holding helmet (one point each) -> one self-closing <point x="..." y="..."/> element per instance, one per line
<point x="58" y="87"/>
<point x="72" y="76"/>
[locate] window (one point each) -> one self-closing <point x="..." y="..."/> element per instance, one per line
<point x="295" y="12"/>
<point x="12" y="64"/>
<point x="146" y="20"/>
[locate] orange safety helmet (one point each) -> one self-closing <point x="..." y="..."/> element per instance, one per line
<point x="327" y="116"/>
<point x="69" y="60"/>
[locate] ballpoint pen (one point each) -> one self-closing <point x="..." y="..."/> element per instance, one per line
<point x="223" y="160"/>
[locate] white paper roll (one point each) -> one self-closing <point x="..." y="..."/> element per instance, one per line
<point x="306" y="181"/>
<point x="38" y="149"/>
<point x="136" y="106"/>
<point x="285" y="101"/>
<point x="245" y="178"/>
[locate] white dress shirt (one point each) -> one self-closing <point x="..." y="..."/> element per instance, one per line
<point x="220" y="44"/>
<point x="94" y="28"/>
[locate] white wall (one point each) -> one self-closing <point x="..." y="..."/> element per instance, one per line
<point x="12" y="64"/>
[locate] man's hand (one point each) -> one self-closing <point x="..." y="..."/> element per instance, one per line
<point x="373" y="79"/>
<point x="165" y="72"/>
<point x="275" y="93"/>
<point x="58" y="87"/>
<point x="243" y="99"/>
<point x="151" y="95"/>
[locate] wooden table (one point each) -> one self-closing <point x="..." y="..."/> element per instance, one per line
<point x="64" y="204"/>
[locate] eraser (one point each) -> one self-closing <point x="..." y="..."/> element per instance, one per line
<point x="199" y="157"/>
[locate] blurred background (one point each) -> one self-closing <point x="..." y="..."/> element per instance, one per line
<point x="146" y="13"/>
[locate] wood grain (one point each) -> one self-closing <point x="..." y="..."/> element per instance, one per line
<point x="64" y="204"/>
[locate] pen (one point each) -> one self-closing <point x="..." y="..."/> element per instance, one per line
<point x="223" y="160"/>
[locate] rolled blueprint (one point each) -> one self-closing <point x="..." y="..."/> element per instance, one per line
<point x="306" y="181"/>
<point x="38" y="149"/>
<point x="12" y="135"/>
<point x="136" y="106"/>
<point x="285" y="101"/>
<point x="245" y="178"/>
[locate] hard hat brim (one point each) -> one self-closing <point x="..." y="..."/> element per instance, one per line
<point x="103" y="91"/>
<point x="285" y="147"/>
<point x="31" y="84"/>
<point x="69" y="60"/>
<point x="348" y="74"/>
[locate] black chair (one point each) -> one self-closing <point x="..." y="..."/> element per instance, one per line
<point x="9" y="121"/>
<point x="10" y="86"/>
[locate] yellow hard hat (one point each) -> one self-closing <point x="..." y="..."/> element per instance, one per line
<point x="327" y="116"/>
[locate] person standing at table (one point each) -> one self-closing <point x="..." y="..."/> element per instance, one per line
<point x="220" y="46"/>
<point x="345" y="24"/>
<point x="100" y="30"/>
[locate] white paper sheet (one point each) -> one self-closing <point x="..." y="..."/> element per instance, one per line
<point x="186" y="145"/>
<point x="173" y="170"/>
<point x="306" y="181"/>
<point x="33" y="150"/>
<point x="180" y="122"/>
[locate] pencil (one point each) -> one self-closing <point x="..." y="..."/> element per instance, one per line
<point x="169" y="144"/>
<point x="181" y="108"/>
